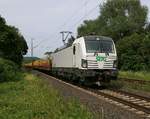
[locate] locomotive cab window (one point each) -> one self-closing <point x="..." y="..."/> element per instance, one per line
<point x="74" y="50"/>
<point x="101" y="45"/>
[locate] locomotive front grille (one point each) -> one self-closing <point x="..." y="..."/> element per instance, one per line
<point x="92" y="64"/>
<point x="108" y="65"/>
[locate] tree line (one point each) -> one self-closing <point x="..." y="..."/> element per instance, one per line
<point x="12" y="44"/>
<point x="126" y="21"/>
<point x="12" y="48"/>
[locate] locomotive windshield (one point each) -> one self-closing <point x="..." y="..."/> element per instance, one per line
<point x="98" y="44"/>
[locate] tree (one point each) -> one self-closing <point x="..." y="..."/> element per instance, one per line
<point x="134" y="52"/>
<point x="126" y="22"/>
<point x="89" y="27"/>
<point x="12" y="44"/>
<point x="118" y="18"/>
<point x="147" y="29"/>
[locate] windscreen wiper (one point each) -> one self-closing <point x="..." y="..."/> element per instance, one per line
<point x="96" y="53"/>
<point x="107" y="53"/>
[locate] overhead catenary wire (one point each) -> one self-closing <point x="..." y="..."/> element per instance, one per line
<point x="85" y="15"/>
<point x="70" y="18"/>
<point x="75" y="13"/>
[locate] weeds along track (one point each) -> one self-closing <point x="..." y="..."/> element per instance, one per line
<point x="135" y="103"/>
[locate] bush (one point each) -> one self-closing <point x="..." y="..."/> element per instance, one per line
<point x="8" y="71"/>
<point x="134" y="52"/>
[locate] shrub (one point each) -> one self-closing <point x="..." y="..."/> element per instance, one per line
<point x="134" y="52"/>
<point x="8" y="71"/>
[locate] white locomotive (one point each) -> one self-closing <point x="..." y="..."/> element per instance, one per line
<point x="90" y="59"/>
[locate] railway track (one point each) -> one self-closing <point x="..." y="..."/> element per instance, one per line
<point x="133" y="102"/>
<point x="135" y="81"/>
<point x="139" y="104"/>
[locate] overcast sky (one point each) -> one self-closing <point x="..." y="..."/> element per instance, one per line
<point x="42" y="20"/>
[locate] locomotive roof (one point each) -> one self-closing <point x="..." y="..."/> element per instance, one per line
<point x="84" y="37"/>
<point x="94" y="37"/>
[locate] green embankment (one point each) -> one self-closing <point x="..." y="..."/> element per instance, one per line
<point x="31" y="98"/>
<point x="132" y="86"/>
<point x="135" y="75"/>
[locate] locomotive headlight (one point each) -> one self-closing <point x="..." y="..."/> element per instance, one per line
<point x="115" y="64"/>
<point x="84" y="63"/>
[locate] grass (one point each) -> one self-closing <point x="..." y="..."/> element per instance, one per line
<point x="121" y="84"/>
<point x="129" y="86"/>
<point x="144" y="87"/>
<point x="30" y="98"/>
<point x="133" y="86"/>
<point x="135" y="75"/>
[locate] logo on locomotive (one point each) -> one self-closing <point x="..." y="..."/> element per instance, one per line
<point x="100" y="58"/>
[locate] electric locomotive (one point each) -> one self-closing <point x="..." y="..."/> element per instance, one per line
<point x="89" y="60"/>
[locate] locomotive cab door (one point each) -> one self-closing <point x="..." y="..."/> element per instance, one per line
<point x="74" y="55"/>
